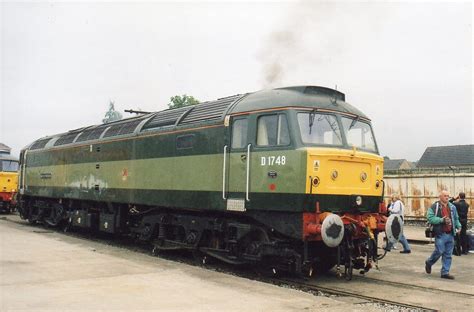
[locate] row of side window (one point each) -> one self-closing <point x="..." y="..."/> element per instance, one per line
<point x="272" y="130"/>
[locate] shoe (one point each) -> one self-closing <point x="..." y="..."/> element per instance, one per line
<point x="405" y="251"/>
<point x="427" y="268"/>
<point x="447" y="276"/>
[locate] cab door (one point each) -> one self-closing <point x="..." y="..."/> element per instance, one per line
<point x="237" y="153"/>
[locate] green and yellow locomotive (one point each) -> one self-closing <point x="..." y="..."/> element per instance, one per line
<point x="288" y="178"/>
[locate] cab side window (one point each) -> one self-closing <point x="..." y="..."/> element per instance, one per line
<point x="239" y="133"/>
<point x="272" y="130"/>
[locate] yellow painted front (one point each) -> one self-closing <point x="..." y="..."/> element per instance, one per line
<point x="8" y="181"/>
<point x="349" y="165"/>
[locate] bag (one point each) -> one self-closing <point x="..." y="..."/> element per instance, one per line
<point x="429" y="233"/>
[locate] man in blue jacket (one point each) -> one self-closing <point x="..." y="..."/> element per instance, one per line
<point x="444" y="218"/>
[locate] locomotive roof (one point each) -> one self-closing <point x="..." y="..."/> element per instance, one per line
<point x="205" y="113"/>
<point x="298" y="96"/>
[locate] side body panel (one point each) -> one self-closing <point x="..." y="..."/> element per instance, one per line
<point x="151" y="171"/>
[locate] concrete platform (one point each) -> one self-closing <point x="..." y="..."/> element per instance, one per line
<point x="45" y="270"/>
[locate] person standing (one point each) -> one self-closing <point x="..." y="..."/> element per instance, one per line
<point x="444" y="218"/>
<point x="462" y="209"/>
<point x="397" y="207"/>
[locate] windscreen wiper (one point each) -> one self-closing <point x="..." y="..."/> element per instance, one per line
<point x="353" y="123"/>
<point x="312" y="114"/>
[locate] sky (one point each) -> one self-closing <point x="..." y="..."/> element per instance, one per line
<point x="406" y="65"/>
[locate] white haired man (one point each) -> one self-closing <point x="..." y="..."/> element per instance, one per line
<point x="444" y="218"/>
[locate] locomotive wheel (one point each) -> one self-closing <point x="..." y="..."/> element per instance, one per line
<point x="200" y="258"/>
<point x="250" y="243"/>
<point x="155" y="251"/>
<point x="324" y="267"/>
<point x="348" y="250"/>
<point x="348" y="269"/>
<point x="266" y="270"/>
<point x="325" y="263"/>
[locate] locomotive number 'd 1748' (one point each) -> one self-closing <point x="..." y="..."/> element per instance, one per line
<point x="273" y="160"/>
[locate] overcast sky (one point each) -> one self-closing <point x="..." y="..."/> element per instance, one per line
<point x="408" y="66"/>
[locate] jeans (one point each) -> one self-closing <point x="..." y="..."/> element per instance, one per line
<point x="403" y="241"/>
<point x="444" y="245"/>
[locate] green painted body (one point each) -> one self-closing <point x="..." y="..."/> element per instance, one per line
<point x="146" y="167"/>
<point x="186" y="180"/>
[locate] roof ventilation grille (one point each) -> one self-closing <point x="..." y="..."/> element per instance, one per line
<point x="209" y="111"/>
<point x="66" y="139"/>
<point x="39" y="144"/>
<point x="166" y="118"/>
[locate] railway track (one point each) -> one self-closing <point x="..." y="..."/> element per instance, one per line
<point x="358" y="287"/>
<point x="411" y="286"/>
<point x="313" y="287"/>
<point x="323" y="285"/>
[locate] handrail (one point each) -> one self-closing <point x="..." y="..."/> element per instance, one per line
<point x="224" y="166"/>
<point x="23" y="176"/>
<point x="248" y="173"/>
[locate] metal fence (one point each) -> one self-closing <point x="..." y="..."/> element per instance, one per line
<point x="419" y="188"/>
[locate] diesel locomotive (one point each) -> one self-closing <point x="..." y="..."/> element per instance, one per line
<point x="283" y="179"/>
<point x="8" y="179"/>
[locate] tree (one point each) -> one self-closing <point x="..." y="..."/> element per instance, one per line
<point x="112" y="114"/>
<point x="178" y="101"/>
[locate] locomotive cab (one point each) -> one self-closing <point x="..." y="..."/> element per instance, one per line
<point x="8" y="182"/>
<point x="314" y="156"/>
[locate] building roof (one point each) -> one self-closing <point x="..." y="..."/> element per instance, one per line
<point x="393" y="164"/>
<point x="444" y="156"/>
<point x="4" y="149"/>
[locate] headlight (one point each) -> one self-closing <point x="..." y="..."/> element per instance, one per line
<point x="358" y="200"/>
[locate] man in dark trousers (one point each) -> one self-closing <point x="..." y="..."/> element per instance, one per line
<point x="444" y="217"/>
<point x="462" y="208"/>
